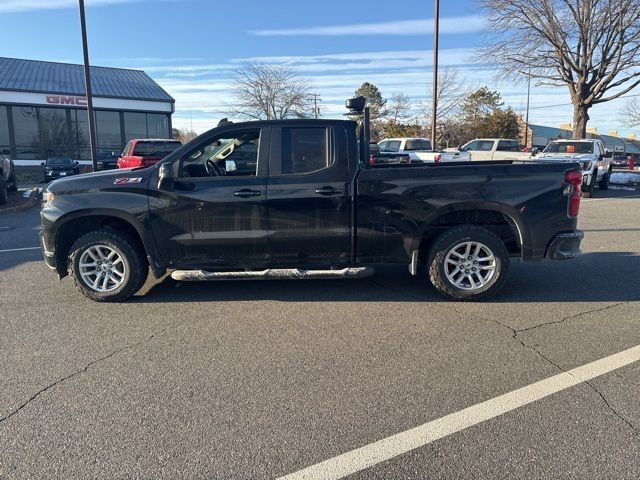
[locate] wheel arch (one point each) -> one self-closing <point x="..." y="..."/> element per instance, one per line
<point x="504" y="221"/>
<point x="73" y="225"/>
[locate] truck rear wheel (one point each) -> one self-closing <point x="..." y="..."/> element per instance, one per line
<point x="107" y="266"/>
<point x="603" y="184"/>
<point x="468" y="263"/>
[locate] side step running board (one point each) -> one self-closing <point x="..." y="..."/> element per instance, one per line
<point x="272" y="274"/>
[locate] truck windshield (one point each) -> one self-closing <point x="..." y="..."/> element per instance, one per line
<point x="569" y="147"/>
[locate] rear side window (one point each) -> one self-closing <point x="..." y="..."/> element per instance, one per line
<point x="304" y="150"/>
<point x="417" y="144"/>
<point x="127" y="148"/>
<point x="508" y="146"/>
<point x="155" y="149"/>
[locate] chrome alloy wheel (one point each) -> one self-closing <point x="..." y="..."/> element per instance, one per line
<point x="470" y="265"/>
<point x="102" y="268"/>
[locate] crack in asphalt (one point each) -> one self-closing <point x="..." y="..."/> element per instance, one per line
<point x="571" y="317"/>
<point x="86" y="367"/>
<point x="515" y="333"/>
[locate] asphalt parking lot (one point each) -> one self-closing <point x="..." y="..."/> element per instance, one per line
<point x="264" y="379"/>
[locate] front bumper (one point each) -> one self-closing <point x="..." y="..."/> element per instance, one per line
<point x="565" y="246"/>
<point x="47" y="252"/>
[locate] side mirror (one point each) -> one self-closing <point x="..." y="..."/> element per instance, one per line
<point x="535" y="151"/>
<point x="42" y="163"/>
<point x="608" y="154"/>
<point x="165" y="180"/>
<point x="77" y="162"/>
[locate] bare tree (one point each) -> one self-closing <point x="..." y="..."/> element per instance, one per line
<point x="631" y="113"/>
<point x="591" y="46"/>
<point x="268" y="92"/>
<point x="399" y="108"/>
<point x="451" y="93"/>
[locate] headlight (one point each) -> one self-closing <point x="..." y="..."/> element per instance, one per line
<point x="47" y="197"/>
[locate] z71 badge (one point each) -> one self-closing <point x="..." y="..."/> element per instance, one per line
<point x="126" y="180"/>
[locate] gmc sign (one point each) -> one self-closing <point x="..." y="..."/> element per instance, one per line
<point x="67" y="100"/>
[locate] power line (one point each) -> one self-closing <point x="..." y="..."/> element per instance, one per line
<point x="316" y="99"/>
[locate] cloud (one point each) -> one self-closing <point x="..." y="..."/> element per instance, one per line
<point x="27" y="5"/>
<point x="448" y="25"/>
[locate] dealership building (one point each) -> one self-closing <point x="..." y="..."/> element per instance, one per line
<point x="43" y="110"/>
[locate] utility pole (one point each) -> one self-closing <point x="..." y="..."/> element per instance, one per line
<point x="87" y="86"/>
<point x="436" y="22"/>
<point x="316" y="109"/>
<point x="526" y="122"/>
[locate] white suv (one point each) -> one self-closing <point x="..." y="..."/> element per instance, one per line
<point x="595" y="160"/>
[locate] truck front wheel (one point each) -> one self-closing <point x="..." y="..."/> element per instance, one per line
<point x="468" y="263"/>
<point x="107" y="266"/>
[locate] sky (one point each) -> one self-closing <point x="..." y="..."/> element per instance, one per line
<point x="190" y="47"/>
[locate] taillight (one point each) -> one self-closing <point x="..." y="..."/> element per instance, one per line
<point x="437" y="158"/>
<point x="574" y="179"/>
<point x="372" y="160"/>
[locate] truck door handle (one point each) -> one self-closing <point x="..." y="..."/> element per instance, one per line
<point x="327" y="191"/>
<point x="246" y="193"/>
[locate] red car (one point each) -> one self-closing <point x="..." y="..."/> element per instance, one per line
<point x="146" y="152"/>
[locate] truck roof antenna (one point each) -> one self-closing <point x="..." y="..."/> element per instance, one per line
<point x="224" y="121"/>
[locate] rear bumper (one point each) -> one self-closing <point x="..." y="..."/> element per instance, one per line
<point x="565" y="246"/>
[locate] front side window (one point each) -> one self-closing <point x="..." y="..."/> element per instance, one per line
<point x="304" y="150"/>
<point x="393" y="146"/>
<point x="229" y="155"/>
<point x="484" y="146"/>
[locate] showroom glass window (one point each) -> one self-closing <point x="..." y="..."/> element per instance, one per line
<point x="108" y="132"/>
<point x="5" y="144"/>
<point x="157" y="125"/>
<point x="135" y="125"/>
<point x="25" y="126"/>
<point x="54" y="137"/>
<point x="80" y="133"/>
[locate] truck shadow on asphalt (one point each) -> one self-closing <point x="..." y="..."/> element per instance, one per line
<point x="593" y="277"/>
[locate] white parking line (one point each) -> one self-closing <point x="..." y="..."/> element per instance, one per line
<point x="19" y="249"/>
<point x="387" y="448"/>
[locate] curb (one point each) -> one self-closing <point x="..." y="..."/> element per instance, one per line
<point x="34" y="199"/>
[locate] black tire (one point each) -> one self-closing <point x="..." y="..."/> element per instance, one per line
<point x="13" y="184"/>
<point x="588" y="191"/>
<point x="3" y="191"/>
<point x="456" y="236"/>
<point x="604" y="181"/>
<point x="134" y="260"/>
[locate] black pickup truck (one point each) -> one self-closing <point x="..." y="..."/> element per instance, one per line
<point x="300" y="199"/>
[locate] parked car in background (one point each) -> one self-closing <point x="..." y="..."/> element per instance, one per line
<point x="57" y="167"/>
<point x="620" y="161"/>
<point x="146" y="152"/>
<point x="8" y="181"/>
<point x="595" y="160"/>
<point x="107" y="160"/>
<point x="418" y="149"/>
<point x="489" y="149"/>
<point x="376" y="157"/>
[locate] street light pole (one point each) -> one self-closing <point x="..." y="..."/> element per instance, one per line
<point x="87" y="84"/>
<point x="436" y="21"/>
